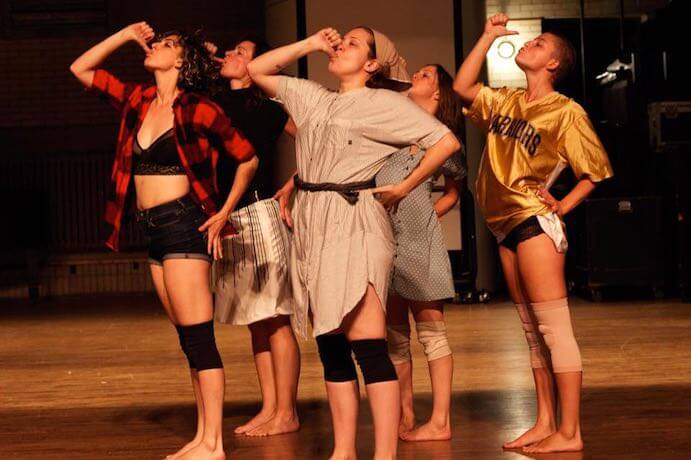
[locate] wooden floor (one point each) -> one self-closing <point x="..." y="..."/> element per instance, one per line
<point x="103" y="378"/>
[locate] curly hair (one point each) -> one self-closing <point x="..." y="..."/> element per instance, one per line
<point x="199" y="72"/>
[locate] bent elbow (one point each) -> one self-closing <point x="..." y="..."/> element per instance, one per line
<point x="254" y="163"/>
<point x="455" y="144"/>
<point x="461" y="90"/>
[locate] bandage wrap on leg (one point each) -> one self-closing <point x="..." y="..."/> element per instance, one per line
<point x="201" y="346"/>
<point x="398" y="340"/>
<point x="373" y="358"/>
<point x="183" y="345"/>
<point x="336" y="357"/>
<point x="539" y="355"/>
<point x="554" y="323"/>
<point x="432" y="336"/>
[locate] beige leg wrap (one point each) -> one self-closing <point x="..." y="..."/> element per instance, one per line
<point x="398" y="338"/>
<point x="554" y="323"/>
<point x="432" y="336"/>
<point x="539" y="354"/>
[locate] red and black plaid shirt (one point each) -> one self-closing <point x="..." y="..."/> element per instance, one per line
<point x="202" y="131"/>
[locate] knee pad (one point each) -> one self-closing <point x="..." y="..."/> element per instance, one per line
<point x="398" y="340"/>
<point x="336" y="357"/>
<point x="373" y="358"/>
<point x="432" y="337"/>
<point x="201" y="346"/>
<point x="538" y="355"/>
<point x="554" y="323"/>
<point x="183" y="345"/>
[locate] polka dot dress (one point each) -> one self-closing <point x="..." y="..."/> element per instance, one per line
<point x="422" y="270"/>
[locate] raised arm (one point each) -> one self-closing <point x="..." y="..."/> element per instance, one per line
<point x="263" y="68"/>
<point x="466" y="83"/>
<point x="85" y="65"/>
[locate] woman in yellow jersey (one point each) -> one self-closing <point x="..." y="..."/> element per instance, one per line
<point x="532" y="135"/>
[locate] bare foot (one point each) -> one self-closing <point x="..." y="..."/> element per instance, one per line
<point x="407" y="422"/>
<point x="557" y="442"/>
<point x="204" y="451"/>
<point x="261" y="418"/>
<point x="280" y="424"/>
<point x="428" y="432"/>
<point x="197" y="439"/>
<point x="533" y="435"/>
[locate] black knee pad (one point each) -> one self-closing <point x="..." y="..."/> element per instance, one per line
<point x="335" y="354"/>
<point x="183" y="345"/>
<point x="201" y="346"/>
<point x="373" y="358"/>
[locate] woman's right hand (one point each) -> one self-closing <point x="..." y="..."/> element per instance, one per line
<point x="213" y="49"/>
<point x="140" y="32"/>
<point x="326" y="40"/>
<point x="496" y="26"/>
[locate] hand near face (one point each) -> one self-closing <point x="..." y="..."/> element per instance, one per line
<point x="213" y="49"/>
<point x="326" y="40"/>
<point x="496" y="26"/>
<point x="140" y="32"/>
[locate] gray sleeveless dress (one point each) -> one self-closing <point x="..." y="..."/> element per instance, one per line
<point x="422" y="270"/>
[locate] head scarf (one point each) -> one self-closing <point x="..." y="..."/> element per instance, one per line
<point x="393" y="63"/>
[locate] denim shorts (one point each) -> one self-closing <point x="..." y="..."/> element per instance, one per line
<point x="172" y="231"/>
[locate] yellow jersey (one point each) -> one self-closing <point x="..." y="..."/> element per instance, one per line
<point x="528" y="145"/>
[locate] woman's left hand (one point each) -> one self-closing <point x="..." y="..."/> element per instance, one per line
<point x="549" y="200"/>
<point x="213" y="227"/>
<point x="389" y="196"/>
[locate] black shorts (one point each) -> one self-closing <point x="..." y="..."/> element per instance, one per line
<point x="172" y="231"/>
<point x="527" y="229"/>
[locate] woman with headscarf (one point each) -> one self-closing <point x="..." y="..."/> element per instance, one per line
<point x="343" y="244"/>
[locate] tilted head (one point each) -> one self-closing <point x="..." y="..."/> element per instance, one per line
<point x="548" y="52"/>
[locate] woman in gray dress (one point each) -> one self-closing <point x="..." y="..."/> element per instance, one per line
<point x="343" y="246"/>
<point x="421" y="279"/>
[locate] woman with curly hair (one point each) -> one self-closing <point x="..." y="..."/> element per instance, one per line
<point x="169" y="143"/>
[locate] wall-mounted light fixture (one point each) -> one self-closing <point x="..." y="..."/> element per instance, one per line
<point x="506" y="49"/>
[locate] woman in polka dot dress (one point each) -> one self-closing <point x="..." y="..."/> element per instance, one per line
<point x="421" y="278"/>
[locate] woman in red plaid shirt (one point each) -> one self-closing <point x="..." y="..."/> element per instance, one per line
<point x="169" y="143"/>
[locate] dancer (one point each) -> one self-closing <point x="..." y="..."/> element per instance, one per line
<point x="169" y="139"/>
<point x="532" y="135"/>
<point x="251" y="282"/>
<point x="421" y="277"/>
<point x="342" y="244"/>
